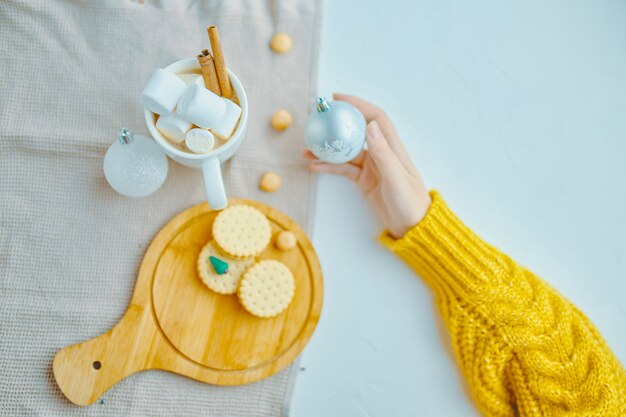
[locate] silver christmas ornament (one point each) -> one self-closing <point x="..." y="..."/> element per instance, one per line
<point x="135" y="166"/>
<point x="335" y="131"/>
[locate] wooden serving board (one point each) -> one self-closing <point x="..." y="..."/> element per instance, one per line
<point x="175" y="323"/>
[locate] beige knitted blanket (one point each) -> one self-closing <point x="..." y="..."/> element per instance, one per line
<point x="70" y="77"/>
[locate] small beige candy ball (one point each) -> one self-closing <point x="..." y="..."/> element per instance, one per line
<point x="270" y="182"/>
<point x="281" y="120"/>
<point x="281" y="43"/>
<point x="285" y="240"/>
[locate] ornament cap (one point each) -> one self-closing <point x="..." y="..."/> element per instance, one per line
<point x="126" y="136"/>
<point x="321" y="105"/>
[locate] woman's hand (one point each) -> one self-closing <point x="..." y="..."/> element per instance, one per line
<point x="384" y="172"/>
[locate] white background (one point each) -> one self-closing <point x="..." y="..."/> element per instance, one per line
<point x="516" y="111"/>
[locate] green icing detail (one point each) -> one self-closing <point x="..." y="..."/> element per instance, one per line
<point x="219" y="266"/>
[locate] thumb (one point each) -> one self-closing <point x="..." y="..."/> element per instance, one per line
<point x="377" y="146"/>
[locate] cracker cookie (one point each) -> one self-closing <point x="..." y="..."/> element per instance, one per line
<point x="241" y="231"/>
<point x="227" y="282"/>
<point x="266" y="288"/>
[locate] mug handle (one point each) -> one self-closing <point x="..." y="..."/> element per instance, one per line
<point x="214" y="184"/>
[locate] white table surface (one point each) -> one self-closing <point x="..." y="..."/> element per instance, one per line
<point x="516" y="111"/>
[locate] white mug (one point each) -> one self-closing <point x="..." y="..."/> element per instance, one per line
<point x="208" y="162"/>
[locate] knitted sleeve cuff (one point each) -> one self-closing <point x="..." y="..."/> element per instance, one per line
<point x="446" y="252"/>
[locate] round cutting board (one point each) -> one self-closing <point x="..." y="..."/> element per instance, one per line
<point x="176" y="323"/>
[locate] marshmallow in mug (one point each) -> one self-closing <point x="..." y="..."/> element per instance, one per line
<point x="161" y="93"/>
<point x="224" y="128"/>
<point x="173" y="127"/>
<point x="192" y="79"/>
<point x="201" y="106"/>
<point x="199" y="140"/>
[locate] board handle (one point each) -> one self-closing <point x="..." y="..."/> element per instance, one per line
<point x="87" y="370"/>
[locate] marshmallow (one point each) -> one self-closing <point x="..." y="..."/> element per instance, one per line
<point x="200" y="106"/>
<point x="199" y="140"/>
<point x="226" y="125"/>
<point x="162" y="92"/>
<point x="173" y="127"/>
<point x="192" y="79"/>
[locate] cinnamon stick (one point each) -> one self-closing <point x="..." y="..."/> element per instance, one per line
<point x="220" y="65"/>
<point x="207" y="66"/>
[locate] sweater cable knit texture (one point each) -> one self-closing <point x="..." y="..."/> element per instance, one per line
<point x="523" y="348"/>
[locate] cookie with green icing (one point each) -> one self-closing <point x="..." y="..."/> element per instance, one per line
<point x="219" y="272"/>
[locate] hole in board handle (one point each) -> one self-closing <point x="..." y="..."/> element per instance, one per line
<point x="96" y="365"/>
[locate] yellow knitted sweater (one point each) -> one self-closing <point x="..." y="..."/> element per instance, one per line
<point x="524" y="349"/>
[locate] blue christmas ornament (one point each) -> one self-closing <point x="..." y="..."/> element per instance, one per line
<point x="134" y="165"/>
<point x="335" y="131"/>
